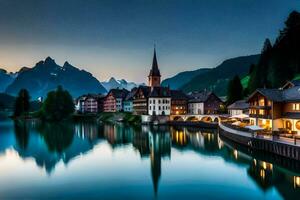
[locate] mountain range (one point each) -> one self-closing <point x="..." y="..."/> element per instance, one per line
<point x="214" y="79"/>
<point x="180" y="79"/>
<point x="112" y="83"/>
<point x="47" y="75"/>
<point x="5" y="79"/>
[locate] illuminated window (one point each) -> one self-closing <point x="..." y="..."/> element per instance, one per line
<point x="261" y="112"/>
<point x="261" y="102"/>
<point x="296" y="106"/>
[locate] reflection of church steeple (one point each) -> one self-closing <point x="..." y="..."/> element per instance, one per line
<point x="155" y="169"/>
<point x="160" y="146"/>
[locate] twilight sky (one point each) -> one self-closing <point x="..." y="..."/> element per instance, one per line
<point x="116" y="37"/>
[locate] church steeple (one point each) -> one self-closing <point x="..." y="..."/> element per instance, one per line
<point x="154" y="75"/>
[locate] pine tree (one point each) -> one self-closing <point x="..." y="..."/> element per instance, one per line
<point x="258" y="76"/>
<point x="235" y="90"/>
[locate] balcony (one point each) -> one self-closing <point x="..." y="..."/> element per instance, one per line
<point x="260" y="107"/>
<point x="265" y="116"/>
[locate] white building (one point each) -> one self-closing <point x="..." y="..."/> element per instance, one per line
<point x="159" y="101"/>
<point x="205" y="102"/>
<point x="196" y="108"/>
<point x="238" y="108"/>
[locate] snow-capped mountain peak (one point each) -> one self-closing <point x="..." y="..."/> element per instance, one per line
<point x="112" y="83"/>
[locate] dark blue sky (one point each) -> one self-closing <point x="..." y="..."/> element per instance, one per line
<point x="116" y="37"/>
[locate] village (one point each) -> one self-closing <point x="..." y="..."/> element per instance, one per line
<point x="152" y="100"/>
<point x="268" y="109"/>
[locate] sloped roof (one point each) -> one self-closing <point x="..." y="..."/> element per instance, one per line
<point x="178" y="94"/>
<point x="86" y="96"/>
<point x="160" y="92"/>
<point x="292" y="94"/>
<point x="131" y="94"/>
<point x="119" y="93"/>
<point x="145" y="90"/>
<point x="196" y="97"/>
<point x="272" y="94"/>
<point x="292" y="83"/>
<point x="239" y="105"/>
<point x="279" y="95"/>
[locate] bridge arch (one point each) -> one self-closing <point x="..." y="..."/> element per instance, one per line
<point x="191" y="119"/>
<point x="207" y="119"/>
<point x="178" y="118"/>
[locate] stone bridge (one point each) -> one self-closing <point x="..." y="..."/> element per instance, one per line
<point x="195" y="118"/>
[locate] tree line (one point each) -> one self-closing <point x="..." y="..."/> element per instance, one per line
<point x="278" y="63"/>
<point x="57" y="106"/>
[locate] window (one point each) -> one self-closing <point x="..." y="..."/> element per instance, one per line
<point x="153" y="101"/>
<point x="159" y="108"/>
<point x="261" y="102"/>
<point x="150" y="101"/>
<point x="296" y="106"/>
<point x="149" y="107"/>
<point x="261" y="112"/>
<point x="159" y="101"/>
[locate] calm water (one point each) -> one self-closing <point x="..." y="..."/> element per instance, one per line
<point x="88" y="160"/>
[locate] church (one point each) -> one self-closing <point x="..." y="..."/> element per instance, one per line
<point x="155" y="99"/>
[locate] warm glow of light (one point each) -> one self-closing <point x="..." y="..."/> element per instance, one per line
<point x="264" y="165"/>
<point x="296" y="181"/>
<point x="262" y="174"/>
<point x="255" y="162"/>
<point x="235" y="153"/>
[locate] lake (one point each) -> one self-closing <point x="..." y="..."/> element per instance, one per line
<point x="118" y="161"/>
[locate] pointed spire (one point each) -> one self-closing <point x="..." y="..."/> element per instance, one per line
<point x="154" y="70"/>
<point x="154" y="63"/>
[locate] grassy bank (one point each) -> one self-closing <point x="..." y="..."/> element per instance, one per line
<point x="120" y="117"/>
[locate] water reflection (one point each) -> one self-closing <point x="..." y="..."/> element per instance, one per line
<point x="49" y="144"/>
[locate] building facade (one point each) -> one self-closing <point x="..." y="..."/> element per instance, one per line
<point x="179" y="103"/>
<point x="128" y="101"/>
<point x="276" y="109"/>
<point x="113" y="102"/>
<point x="140" y="100"/>
<point x="204" y="103"/>
<point x="87" y="104"/>
<point x="238" y="108"/>
<point x="159" y="101"/>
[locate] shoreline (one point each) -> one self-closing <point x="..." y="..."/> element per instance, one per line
<point x="281" y="148"/>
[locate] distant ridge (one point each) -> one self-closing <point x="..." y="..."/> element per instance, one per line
<point x="182" y="78"/>
<point x="47" y="75"/>
<point x="213" y="79"/>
